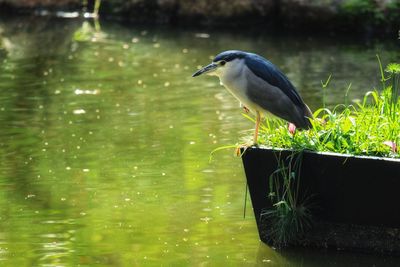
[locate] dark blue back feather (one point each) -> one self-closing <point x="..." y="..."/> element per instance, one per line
<point x="267" y="71"/>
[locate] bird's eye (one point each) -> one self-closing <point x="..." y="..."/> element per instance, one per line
<point x="222" y="62"/>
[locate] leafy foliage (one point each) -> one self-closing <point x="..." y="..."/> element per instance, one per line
<point x="364" y="128"/>
<point x="290" y="217"/>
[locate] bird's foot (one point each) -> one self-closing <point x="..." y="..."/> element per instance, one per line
<point x="245" y="109"/>
<point x="241" y="148"/>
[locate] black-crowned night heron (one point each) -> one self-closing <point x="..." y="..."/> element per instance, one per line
<point x="260" y="87"/>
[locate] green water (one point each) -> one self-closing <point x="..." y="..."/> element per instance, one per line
<point x="105" y="141"/>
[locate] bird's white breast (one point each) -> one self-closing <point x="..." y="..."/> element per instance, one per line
<point x="234" y="78"/>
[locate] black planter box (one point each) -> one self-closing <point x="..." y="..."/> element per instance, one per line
<point x="357" y="198"/>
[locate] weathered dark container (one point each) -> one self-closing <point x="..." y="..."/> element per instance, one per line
<point x="357" y="198"/>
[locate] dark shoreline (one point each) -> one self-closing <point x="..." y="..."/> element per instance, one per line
<point x="290" y="16"/>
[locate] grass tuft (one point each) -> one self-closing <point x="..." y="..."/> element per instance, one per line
<point x="290" y="217"/>
<point x="364" y="128"/>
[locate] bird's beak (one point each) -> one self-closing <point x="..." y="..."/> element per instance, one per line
<point x="206" y="69"/>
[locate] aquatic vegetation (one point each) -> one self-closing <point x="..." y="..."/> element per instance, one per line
<point x="290" y="217"/>
<point x="364" y="128"/>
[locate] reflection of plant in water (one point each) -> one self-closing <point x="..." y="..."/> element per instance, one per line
<point x="87" y="32"/>
<point x="290" y="216"/>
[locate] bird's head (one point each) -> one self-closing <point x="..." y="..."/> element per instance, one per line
<point x="224" y="62"/>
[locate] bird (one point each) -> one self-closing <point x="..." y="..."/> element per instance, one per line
<point x="260" y="86"/>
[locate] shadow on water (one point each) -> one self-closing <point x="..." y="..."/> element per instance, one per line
<point x="305" y="257"/>
<point x="106" y="138"/>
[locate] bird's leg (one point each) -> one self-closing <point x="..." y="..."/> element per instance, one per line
<point x="258" y="119"/>
<point x="243" y="147"/>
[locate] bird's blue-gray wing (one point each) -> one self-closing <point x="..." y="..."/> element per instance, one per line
<point x="271" y="90"/>
<point x="267" y="71"/>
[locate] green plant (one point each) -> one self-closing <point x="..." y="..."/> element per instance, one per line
<point x="96" y="8"/>
<point x="394" y="71"/>
<point x="368" y="9"/>
<point x="290" y="216"/>
<point x="364" y="128"/>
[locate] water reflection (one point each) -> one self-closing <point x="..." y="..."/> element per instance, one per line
<point x="106" y="138"/>
<point x="55" y="242"/>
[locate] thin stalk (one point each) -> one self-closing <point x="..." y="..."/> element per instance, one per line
<point x="96" y="8"/>
<point x="324" y="86"/>
<point x="346" y="96"/>
<point x="395" y="95"/>
<point x="383" y="79"/>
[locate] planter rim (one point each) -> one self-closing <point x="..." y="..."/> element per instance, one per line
<point x="327" y="153"/>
